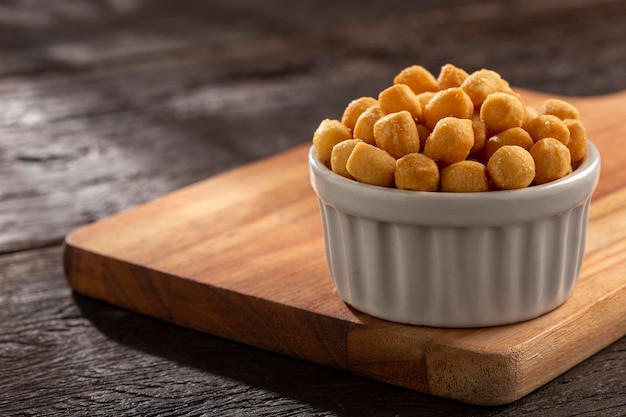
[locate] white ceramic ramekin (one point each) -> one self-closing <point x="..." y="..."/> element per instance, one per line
<point x="455" y="259"/>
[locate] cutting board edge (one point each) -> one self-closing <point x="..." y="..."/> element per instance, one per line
<point x="429" y="352"/>
<point x="512" y="373"/>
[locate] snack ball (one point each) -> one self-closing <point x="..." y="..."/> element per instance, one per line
<point x="450" y="76"/>
<point x="552" y="160"/>
<point x="450" y="141"/>
<point x="328" y="134"/>
<point x="479" y="84"/>
<point x="480" y="135"/>
<point x="364" y="127"/>
<point x="560" y="108"/>
<point x="452" y="102"/>
<point x="511" y="167"/>
<point x="397" y="134"/>
<point x="399" y="97"/>
<point x="418" y="78"/>
<point x="371" y="165"/>
<point x="577" y="144"/>
<point x="502" y="111"/>
<point x="464" y="177"/>
<point x="548" y="126"/>
<point x="354" y="110"/>
<point x="416" y="171"/>
<point x="513" y="136"/>
<point x="339" y="157"/>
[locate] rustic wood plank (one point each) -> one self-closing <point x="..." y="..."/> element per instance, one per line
<point x="113" y="361"/>
<point x="61" y="175"/>
<point x="146" y="82"/>
<point x="105" y="34"/>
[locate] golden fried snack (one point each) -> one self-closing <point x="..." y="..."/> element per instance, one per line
<point x="400" y="97"/>
<point x="501" y="111"/>
<point x="371" y="165"/>
<point x="464" y="177"/>
<point x="396" y="133"/>
<point x="479" y="84"/>
<point x="453" y="102"/>
<point x="506" y="88"/>
<point x="531" y="114"/>
<point x="548" y="126"/>
<point x="513" y="136"/>
<point x="424" y="132"/>
<point x="328" y="134"/>
<point x="450" y="76"/>
<point x="416" y="171"/>
<point x="364" y="127"/>
<point x="418" y="78"/>
<point x="450" y="140"/>
<point x="339" y="157"/>
<point x="480" y="134"/>
<point x="424" y="98"/>
<point x="355" y="108"/>
<point x="560" y="108"/>
<point x="552" y="160"/>
<point x="470" y="126"/>
<point x="511" y="167"/>
<point x="577" y="144"/>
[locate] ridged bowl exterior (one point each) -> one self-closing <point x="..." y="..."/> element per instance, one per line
<point x="455" y="260"/>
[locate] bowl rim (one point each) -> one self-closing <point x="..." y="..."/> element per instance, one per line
<point x="456" y="209"/>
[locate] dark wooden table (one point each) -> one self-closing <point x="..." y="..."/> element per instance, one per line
<point x="107" y="104"/>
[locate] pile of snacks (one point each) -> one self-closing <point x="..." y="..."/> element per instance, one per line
<point x="458" y="132"/>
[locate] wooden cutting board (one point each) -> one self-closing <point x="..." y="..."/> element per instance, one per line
<point x="241" y="256"/>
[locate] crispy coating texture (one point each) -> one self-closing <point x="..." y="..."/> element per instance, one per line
<point x="480" y="135"/>
<point x="511" y="167"/>
<point x="399" y="97"/>
<point x="371" y="165"/>
<point x="450" y="140"/>
<point x="531" y="113"/>
<point x="418" y="78"/>
<point x="425" y="97"/>
<point x="513" y="136"/>
<point x="502" y="111"/>
<point x="479" y="84"/>
<point x="355" y="108"/>
<point x="328" y="134"/>
<point x="548" y="126"/>
<point x="339" y="157"/>
<point x="577" y="144"/>
<point x="450" y="76"/>
<point x="452" y="102"/>
<point x="396" y="133"/>
<point x="364" y="127"/>
<point x="424" y="132"/>
<point x="474" y="127"/>
<point x="416" y="171"/>
<point x="560" y="108"/>
<point x="552" y="160"/>
<point x="464" y="177"/>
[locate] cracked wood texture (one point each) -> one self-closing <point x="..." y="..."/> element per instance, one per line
<point x="110" y="103"/>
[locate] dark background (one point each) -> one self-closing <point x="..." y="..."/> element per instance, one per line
<point x="108" y="104"/>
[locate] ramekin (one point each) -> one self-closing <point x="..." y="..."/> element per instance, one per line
<point x="455" y="259"/>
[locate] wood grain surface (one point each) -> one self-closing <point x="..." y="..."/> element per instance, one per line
<point x="242" y="256"/>
<point x="107" y="104"/>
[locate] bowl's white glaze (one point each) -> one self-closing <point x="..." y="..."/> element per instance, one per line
<point x="455" y="259"/>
